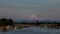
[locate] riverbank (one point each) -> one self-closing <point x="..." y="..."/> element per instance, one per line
<point x="21" y="26"/>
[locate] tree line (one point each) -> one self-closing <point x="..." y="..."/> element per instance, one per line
<point x="4" y="22"/>
<point x="38" y="23"/>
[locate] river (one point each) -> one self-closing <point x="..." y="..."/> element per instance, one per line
<point x="33" y="30"/>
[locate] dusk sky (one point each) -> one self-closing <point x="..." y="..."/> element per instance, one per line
<point x="30" y="9"/>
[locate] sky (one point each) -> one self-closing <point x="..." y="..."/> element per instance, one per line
<point x="30" y="9"/>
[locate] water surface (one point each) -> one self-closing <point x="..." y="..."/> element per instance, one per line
<point x="33" y="30"/>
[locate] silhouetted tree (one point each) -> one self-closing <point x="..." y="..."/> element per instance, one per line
<point x="58" y="24"/>
<point x="4" y="21"/>
<point x="10" y="22"/>
<point x="37" y="23"/>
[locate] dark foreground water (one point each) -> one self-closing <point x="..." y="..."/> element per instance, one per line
<point x="34" y="30"/>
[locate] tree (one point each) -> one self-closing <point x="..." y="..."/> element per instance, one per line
<point x="4" y="22"/>
<point x="37" y="23"/>
<point x="10" y="22"/>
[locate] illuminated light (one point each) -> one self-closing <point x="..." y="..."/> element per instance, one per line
<point x="33" y="17"/>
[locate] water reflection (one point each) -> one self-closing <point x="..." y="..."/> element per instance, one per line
<point x="33" y="30"/>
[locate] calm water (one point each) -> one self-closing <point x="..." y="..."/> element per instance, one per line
<point x="34" y="30"/>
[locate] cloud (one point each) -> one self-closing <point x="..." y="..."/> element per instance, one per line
<point x="33" y="16"/>
<point x="15" y="13"/>
<point x="35" y="12"/>
<point x="23" y="9"/>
